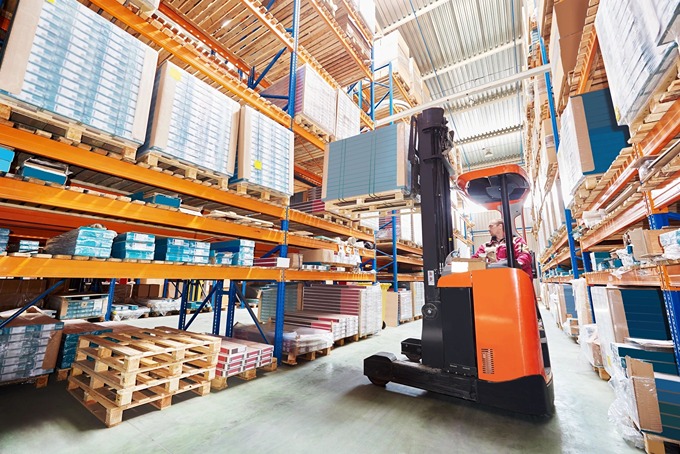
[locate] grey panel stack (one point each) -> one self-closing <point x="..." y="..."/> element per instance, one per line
<point x="192" y="121"/>
<point x="268" y="303"/>
<point x="94" y="241"/>
<point x="370" y="164"/>
<point x="265" y="153"/>
<point x="66" y="59"/>
<point x="315" y="100"/>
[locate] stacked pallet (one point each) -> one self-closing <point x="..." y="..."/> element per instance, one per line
<point x="114" y="372"/>
<point x="240" y="357"/>
<point x="361" y="301"/>
<point x="297" y="340"/>
<point x="340" y="325"/>
<point x="192" y="121"/>
<point x="30" y="345"/>
<point x="102" y="79"/>
<point x="92" y="241"/>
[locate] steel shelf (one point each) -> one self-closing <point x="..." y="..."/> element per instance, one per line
<point x="630" y="215"/>
<point x="640" y="276"/>
<point x="402" y="259"/>
<point x="558" y="280"/>
<point x="387" y="247"/>
<point x="112" y="268"/>
<point x="402" y="277"/>
<point x="309" y="275"/>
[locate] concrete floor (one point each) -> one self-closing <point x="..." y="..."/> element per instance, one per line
<point x="326" y="405"/>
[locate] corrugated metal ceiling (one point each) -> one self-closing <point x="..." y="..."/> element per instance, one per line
<point x="450" y="32"/>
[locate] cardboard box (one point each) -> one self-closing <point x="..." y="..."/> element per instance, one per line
<point x="54" y="333"/>
<point x="618" y="315"/>
<point x="391" y="315"/>
<point x="318" y="256"/>
<point x="647" y="415"/>
<point x="645" y="243"/>
<point x="459" y="265"/>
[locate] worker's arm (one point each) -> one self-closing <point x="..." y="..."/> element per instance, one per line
<point x="522" y="255"/>
<point x="480" y="251"/>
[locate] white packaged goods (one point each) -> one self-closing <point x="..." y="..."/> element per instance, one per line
<point x="265" y="152"/>
<point x="366" y="9"/>
<point x="315" y="100"/>
<point x="68" y="60"/>
<point x="391" y="49"/>
<point x="192" y="121"/>
<point x="418" y="290"/>
<point x="630" y="33"/>
<point x="348" y="119"/>
<point x="671" y="244"/>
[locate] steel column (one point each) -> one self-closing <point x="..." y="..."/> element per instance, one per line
<point x="231" y="309"/>
<point x="112" y="289"/>
<point x="217" y="306"/>
<point x="183" y="305"/>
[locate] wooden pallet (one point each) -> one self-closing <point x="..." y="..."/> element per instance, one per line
<point x="604" y="375"/>
<point x="344" y="340"/>
<point x="183" y="169"/>
<point x="655" y="444"/>
<point x="418" y="317"/>
<point x="220" y="383"/>
<point x="260" y="192"/>
<point x="291" y="357"/>
<point x="28" y="118"/>
<point x="406" y="320"/>
<point x="384" y="201"/>
<point x="316" y="130"/>
<point x="62" y="374"/>
<point x="39" y="381"/>
<point x="100" y="400"/>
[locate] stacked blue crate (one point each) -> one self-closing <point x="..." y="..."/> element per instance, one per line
<point x="192" y="121"/>
<point x="182" y="250"/>
<point x="373" y="163"/>
<point x="43" y="170"/>
<point x="4" y="239"/>
<point x="569" y="301"/>
<point x="134" y="246"/>
<point x="26" y="347"/>
<point x="265" y="153"/>
<point x="85" y="241"/>
<point x="24" y="246"/>
<point x="662" y="360"/>
<point x="69" y="340"/>
<point x="221" y="258"/>
<point x="6" y="158"/>
<point x="668" y="394"/>
<point x="645" y="313"/>
<point x="159" y="199"/>
<point x="243" y="251"/>
<point x="81" y="67"/>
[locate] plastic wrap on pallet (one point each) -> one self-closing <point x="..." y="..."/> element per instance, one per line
<point x="66" y="59"/>
<point x="265" y="153"/>
<point x="590" y="344"/>
<point x="161" y="306"/>
<point x="670" y="242"/>
<point x="315" y="100"/>
<point x="92" y="241"/>
<point x="418" y="290"/>
<point x="582" y="301"/>
<point x="366" y="10"/>
<point x="126" y="312"/>
<point x="589" y="139"/>
<point x="348" y="122"/>
<point x="347" y="170"/>
<point x="370" y="221"/>
<point x="391" y="48"/>
<point x="296" y="339"/>
<point x="29" y="346"/>
<point x="634" y="62"/>
<point x="622" y="410"/>
<point x="192" y="121"/>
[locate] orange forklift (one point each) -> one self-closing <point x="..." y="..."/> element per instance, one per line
<point x="482" y="337"/>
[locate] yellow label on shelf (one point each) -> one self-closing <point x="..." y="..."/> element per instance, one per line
<point x="51" y="1"/>
<point x="174" y="73"/>
<point x="258" y="165"/>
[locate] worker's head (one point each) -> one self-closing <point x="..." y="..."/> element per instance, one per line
<point x="496" y="229"/>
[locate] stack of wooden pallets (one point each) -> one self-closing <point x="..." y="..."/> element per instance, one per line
<point x="114" y="372"/>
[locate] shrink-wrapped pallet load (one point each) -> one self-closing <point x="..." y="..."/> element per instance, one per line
<point x="265" y="153"/>
<point x="68" y="60"/>
<point x="348" y="121"/>
<point x="315" y="100"/>
<point x="368" y="165"/>
<point x="192" y="121"/>
<point x="638" y="49"/>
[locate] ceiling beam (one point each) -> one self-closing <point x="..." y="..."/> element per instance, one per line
<point x="489" y="135"/>
<point x="467" y="61"/>
<point x="480" y="102"/>
<point x="405" y="20"/>
<point x="464" y="94"/>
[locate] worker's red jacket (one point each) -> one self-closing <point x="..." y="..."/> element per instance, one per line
<point x="498" y="248"/>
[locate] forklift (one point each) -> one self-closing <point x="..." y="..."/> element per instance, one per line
<point x="482" y="337"/>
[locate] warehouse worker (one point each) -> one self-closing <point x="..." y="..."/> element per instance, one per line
<point x="495" y="249"/>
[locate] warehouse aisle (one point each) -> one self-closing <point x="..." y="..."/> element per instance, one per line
<point x="321" y="406"/>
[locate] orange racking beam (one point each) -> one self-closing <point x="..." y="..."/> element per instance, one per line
<point x="306" y="275"/>
<point x="631" y="215"/>
<point x="58" y="268"/>
<point x="181" y="20"/>
<point x="588" y="65"/>
<point x="309" y="176"/>
<point x="191" y="57"/>
<point x="387" y="247"/>
<point x="368" y="36"/>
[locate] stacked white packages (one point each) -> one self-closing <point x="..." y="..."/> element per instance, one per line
<point x="192" y="121"/>
<point x="66" y="59"/>
<point x="418" y="290"/>
<point x="315" y="100"/>
<point x="405" y="305"/>
<point x="631" y="35"/>
<point x="348" y="119"/>
<point x="265" y="152"/>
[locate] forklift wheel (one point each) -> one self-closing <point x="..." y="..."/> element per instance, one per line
<point x="378" y="382"/>
<point x="413" y="358"/>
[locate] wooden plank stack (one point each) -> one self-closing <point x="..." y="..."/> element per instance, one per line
<point x="240" y="357"/>
<point x="114" y="372"/>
